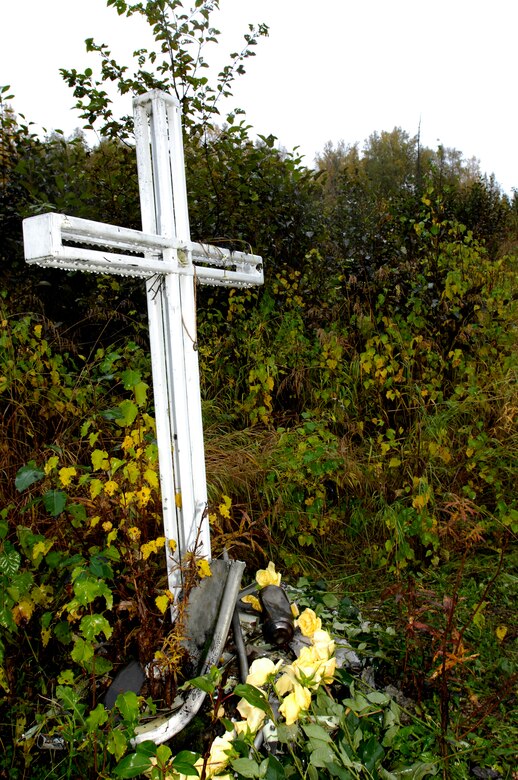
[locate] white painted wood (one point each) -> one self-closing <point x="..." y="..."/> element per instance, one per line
<point x="162" y="254"/>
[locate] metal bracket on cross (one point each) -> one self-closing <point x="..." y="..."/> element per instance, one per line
<point x="164" y="255"/>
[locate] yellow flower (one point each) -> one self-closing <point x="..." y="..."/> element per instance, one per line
<point x="260" y="670"/>
<point x="323" y="644"/>
<point x="218" y="755"/>
<point x="203" y="568"/>
<point x="286" y="682"/>
<point x="253" y="715"/>
<point x="308" y="622"/>
<point x="254" y="601"/>
<point x="268" y="576"/>
<point x="297" y="701"/>
<point x="107" y="526"/>
<point x="224" y="508"/>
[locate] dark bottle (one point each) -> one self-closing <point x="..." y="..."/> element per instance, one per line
<point x="276" y="615"/>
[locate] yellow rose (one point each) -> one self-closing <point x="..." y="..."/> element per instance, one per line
<point x="308" y="622"/>
<point x="260" y="670"/>
<point x="253" y="715"/>
<point x="286" y="682"/>
<point x="218" y="756"/>
<point x="268" y="576"/>
<point x="294" y="703"/>
<point x="323" y="644"/>
<point x="254" y="601"/>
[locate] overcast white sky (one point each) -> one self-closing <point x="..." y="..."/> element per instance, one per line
<point x="330" y="69"/>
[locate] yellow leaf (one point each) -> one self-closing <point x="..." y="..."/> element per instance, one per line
<point x="127" y="444"/>
<point x="394" y="463"/>
<point x="132" y="472"/>
<point x="94" y="521"/>
<point x="22" y="611"/>
<point x="95" y="488"/>
<point x="133" y="533"/>
<point x="501" y="632"/>
<point x="41" y="548"/>
<point x="151" y="478"/>
<point x="178" y="500"/>
<point x="162" y="603"/>
<point x="100" y="459"/>
<point x="37" y="331"/>
<point x="110" y="487"/>
<point x="66" y="474"/>
<point x="51" y="464"/>
<point x="45" y="636"/>
<point x="143" y="496"/>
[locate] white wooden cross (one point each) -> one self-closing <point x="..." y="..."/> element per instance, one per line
<point x="164" y="255"/>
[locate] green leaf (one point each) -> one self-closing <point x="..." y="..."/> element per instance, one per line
<point x="314" y="731"/>
<point x="96" y="718"/>
<point x="163" y="754"/>
<point x="253" y="696"/>
<point x="203" y="683"/>
<point x="128" y="412"/>
<point x="82" y="652"/>
<point x="140" y="391"/>
<point x="10" y="562"/>
<point x="330" y="600"/>
<point x="274" y="770"/>
<point x="92" y="625"/>
<point x="70" y="700"/>
<point x="27" y="476"/>
<point x="99" y="666"/>
<point x="130" y="378"/>
<point x="78" y="512"/>
<point x="376" y="697"/>
<point x="117" y="743"/>
<point x="55" y="502"/>
<point x="322" y="756"/>
<point x="184" y="763"/>
<point x="371" y="753"/>
<point x="128" y="704"/>
<point x="132" y="766"/>
<point x="87" y="590"/>
<point x="246" y="767"/>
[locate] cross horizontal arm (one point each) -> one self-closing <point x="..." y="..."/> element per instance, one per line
<point x="51" y="240"/>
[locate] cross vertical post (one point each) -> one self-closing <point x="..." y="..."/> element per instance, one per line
<point x="172" y="326"/>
